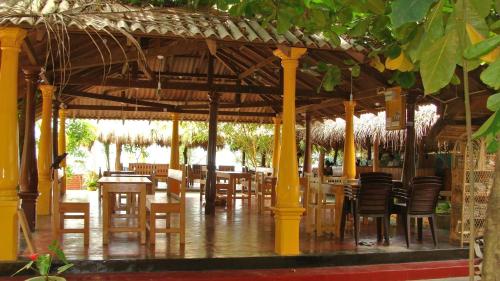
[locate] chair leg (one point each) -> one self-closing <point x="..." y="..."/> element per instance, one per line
<point x="432" y="224"/>
<point x="356" y="228"/>
<point x="406" y="229"/>
<point x="343" y="218"/>
<point x="86" y="227"/>
<point x="386" y="229"/>
<point x="152" y="227"/>
<point x="419" y="229"/>
<point x="379" y="229"/>
<point x="182" y="226"/>
<point x="408" y="225"/>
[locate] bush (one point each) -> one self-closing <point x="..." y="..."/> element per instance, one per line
<point x="91" y="181"/>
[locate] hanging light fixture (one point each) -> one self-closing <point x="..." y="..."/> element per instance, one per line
<point x="158" y="90"/>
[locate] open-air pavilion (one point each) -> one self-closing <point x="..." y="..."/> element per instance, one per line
<point x="111" y="61"/>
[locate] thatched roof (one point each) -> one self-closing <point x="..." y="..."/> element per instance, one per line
<point x="331" y="133"/>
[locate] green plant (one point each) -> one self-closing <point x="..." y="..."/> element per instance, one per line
<point x="42" y="263"/>
<point x="91" y="181"/>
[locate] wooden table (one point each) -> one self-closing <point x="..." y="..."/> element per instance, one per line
<point x="232" y="176"/>
<point x="114" y="185"/>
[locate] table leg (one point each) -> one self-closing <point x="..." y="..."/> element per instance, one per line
<point x="339" y="204"/>
<point x="249" y="187"/>
<point x="230" y="196"/>
<point x="142" y="214"/>
<point x="105" y="217"/>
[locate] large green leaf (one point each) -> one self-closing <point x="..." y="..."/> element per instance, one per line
<point x="404" y="11"/>
<point x="376" y="6"/>
<point x="438" y="63"/>
<point x="491" y="75"/>
<point x="490" y="127"/>
<point x="482" y="7"/>
<point x="432" y="30"/>
<point x="493" y="103"/>
<point x="482" y="48"/>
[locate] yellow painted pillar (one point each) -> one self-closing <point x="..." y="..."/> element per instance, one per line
<point x="276" y="147"/>
<point x="288" y="209"/>
<point x="61" y="145"/>
<point x="349" y="148"/>
<point x="174" y="149"/>
<point x="45" y="152"/>
<point x="10" y="42"/>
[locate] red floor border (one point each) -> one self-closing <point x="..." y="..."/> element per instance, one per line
<point x="382" y="272"/>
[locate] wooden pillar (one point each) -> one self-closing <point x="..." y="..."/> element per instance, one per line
<point x="10" y="42"/>
<point x="210" y="191"/>
<point x="118" y="156"/>
<point x="409" y="159"/>
<point x="28" y="180"/>
<point x="349" y="169"/>
<point x="276" y="144"/>
<point x="174" y="149"/>
<point x="45" y="153"/>
<point x="62" y="144"/>
<point x="376" y="159"/>
<point x="308" y="150"/>
<point x="288" y="209"/>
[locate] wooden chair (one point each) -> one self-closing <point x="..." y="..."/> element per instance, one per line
<point x="421" y="203"/>
<point x="74" y="205"/>
<point x="163" y="205"/>
<point x="203" y="181"/>
<point x="226" y="168"/>
<point x="312" y="203"/>
<point x="267" y="192"/>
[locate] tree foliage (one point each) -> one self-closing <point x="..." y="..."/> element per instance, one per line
<point x="254" y="140"/>
<point x="81" y="135"/>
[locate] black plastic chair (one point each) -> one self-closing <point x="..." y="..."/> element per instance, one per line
<point x="421" y="203"/>
<point x="370" y="200"/>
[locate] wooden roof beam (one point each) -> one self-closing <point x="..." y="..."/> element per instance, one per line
<point x="119" y="99"/>
<point x="157" y="109"/>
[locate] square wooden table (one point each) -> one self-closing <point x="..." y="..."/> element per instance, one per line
<point x="114" y="185"/>
<point x="232" y="176"/>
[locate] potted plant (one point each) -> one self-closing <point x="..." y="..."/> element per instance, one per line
<point x="42" y="263"/>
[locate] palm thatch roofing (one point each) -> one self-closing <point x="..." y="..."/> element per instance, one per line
<point x="113" y="61"/>
<point x="144" y="134"/>
<point x="330" y="133"/>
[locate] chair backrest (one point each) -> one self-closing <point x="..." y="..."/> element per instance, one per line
<point x="226" y="168"/>
<point x="269" y="185"/>
<point x="423" y="196"/>
<point x="175" y="183"/>
<point x="375" y="193"/>
<point x="161" y="170"/>
<point x="265" y="170"/>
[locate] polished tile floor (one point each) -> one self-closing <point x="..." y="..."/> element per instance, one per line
<point x="240" y="233"/>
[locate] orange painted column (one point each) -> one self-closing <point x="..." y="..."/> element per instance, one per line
<point x="10" y="43"/>
<point x="288" y="209"/>
<point x="276" y="145"/>
<point x="349" y="170"/>
<point x="45" y="153"/>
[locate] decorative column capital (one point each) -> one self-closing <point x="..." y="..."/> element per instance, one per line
<point x="289" y="54"/>
<point x="277" y="120"/>
<point x="174" y="116"/>
<point x="47" y="91"/>
<point x="62" y="111"/>
<point x="349" y="105"/>
<point x="12" y="38"/>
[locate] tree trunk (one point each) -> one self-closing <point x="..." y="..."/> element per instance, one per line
<point x="243" y="158"/>
<point x="185" y="155"/>
<point x="118" y="163"/>
<point x="492" y="233"/>
<point x="263" y="160"/>
<point x="335" y="155"/>
<point x="106" y="153"/>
